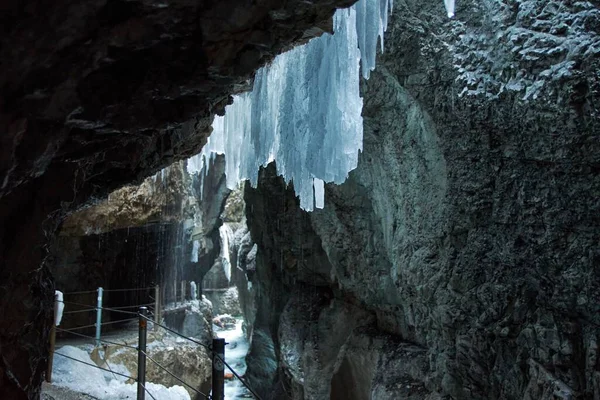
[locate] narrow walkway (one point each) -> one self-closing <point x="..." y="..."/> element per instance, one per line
<point x="51" y="392"/>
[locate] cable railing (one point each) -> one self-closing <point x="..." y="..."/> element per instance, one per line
<point x="103" y="341"/>
<point x="175" y="377"/>
<point x="214" y="353"/>
<point x="216" y="349"/>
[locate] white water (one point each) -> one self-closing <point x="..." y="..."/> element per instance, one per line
<point x="235" y="355"/>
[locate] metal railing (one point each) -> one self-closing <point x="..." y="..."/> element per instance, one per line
<point x="217" y="348"/>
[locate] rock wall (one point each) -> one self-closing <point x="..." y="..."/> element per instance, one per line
<point x="166" y="197"/>
<point x="469" y="234"/>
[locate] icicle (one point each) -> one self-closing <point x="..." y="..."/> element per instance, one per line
<point x="193" y="290"/>
<point x="195" y="249"/>
<point x="226" y="234"/>
<point x="449" y="7"/>
<point x="319" y="193"/>
<point x="304" y="112"/>
<point x="305" y="109"/>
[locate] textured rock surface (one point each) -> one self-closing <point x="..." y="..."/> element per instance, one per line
<point x="471" y="227"/>
<point x="162" y="198"/>
<point x="198" y="321"/>
<point x="225" y="301"/>
<point x="98" y="94"/>
<point x="192" y="364"/>
<point x="378" y="366"/>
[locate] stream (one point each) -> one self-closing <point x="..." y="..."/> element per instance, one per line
<point x="235" y="355"/>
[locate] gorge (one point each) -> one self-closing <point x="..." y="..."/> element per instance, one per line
<point x="459" y="257"/>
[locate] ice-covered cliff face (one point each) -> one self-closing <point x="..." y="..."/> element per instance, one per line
<point x="469" y="229"/>
<point x="304" y="111"/>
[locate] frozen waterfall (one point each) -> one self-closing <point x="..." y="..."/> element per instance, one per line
<point x="304" y="110"/>
<point x="226" y="234"/>
<point x="449" y="7"/>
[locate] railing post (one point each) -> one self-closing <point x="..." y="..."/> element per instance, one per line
<point x="141" y="377"/>
<point x="99" y="316"/>
<point x="218" y="369"/>
<point x="175" y="291"/>
<point x="52" y="341"/>
<point x="157" y="307"/>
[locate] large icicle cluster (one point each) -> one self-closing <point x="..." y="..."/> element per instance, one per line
<point x="304" y="110"/>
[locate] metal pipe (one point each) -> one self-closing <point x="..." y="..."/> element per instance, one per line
<point x="141" y="377"/>
<point x="218" y="369"/>
<point x="99" y="316"/>
<point x="157" y="310"/>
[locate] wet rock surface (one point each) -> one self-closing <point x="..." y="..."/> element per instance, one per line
<point x="470" y="228"/>
<point x="197" y="321"/>
<point x="225" y="301"/>
<point x="166" y="197"/>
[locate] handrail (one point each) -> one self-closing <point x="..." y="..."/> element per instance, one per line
<point x="128" y="290"/>
<point x="117" y="373"/>
<point x="93" y="338"/>
<point x="134" y="306"/>
<point x="83" y="327"/>
<point x="77" y="304"/>
<point x="118" y="321"/>
<point x="130" y="377"/>
<point x="214" y="353"/>
<point x="179" y="334"/>
<point x="78" y="311"/>
<point x="122" y="309"/>
<point x="82" y="292"/>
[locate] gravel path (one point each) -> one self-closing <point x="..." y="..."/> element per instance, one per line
<point x="50" y="392"/>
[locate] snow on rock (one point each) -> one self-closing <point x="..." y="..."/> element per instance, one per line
<point x="528" y="46"/>
<point x="100" y="384"/>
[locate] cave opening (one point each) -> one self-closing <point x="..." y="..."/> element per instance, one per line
<point x="424" y="229"/>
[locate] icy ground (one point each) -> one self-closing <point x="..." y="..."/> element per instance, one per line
<point x="100" y="384"/>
